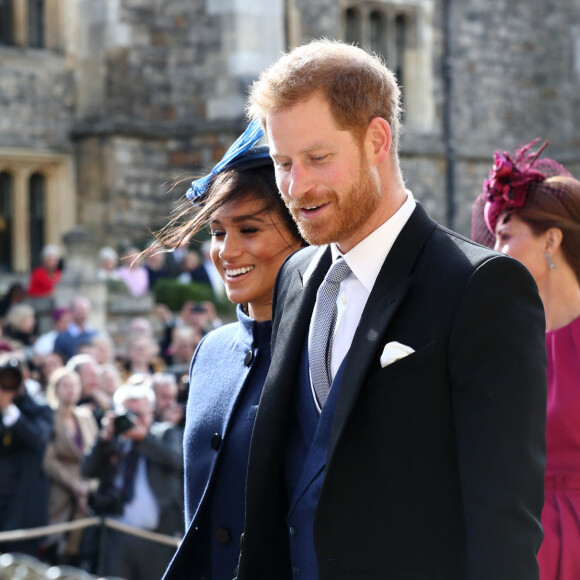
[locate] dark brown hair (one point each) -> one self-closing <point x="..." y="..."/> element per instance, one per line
<point x="555" y="203"/>
<point x="188" y="220"/>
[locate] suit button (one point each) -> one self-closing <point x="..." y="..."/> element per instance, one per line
<point x="292" y="531"/>
<point x="216" y="441"/>
<point x="222" y="536"/>
<point x="249" y="358"/>
<point x="296" y="571"/>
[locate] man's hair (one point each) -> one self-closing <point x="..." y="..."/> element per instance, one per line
<point x="78" y="360"/>
<point x="159" y="379"/>
<point x="133" y="392"/>
<point x="357" y="85"/>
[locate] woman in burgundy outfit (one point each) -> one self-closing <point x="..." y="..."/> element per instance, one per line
<point x="531" y="208"/>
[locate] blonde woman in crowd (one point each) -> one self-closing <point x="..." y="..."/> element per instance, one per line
<point x="75" y="431"/>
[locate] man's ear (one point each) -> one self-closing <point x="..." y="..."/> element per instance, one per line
<point x="378" y="140"/>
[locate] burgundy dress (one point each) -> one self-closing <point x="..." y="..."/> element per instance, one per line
<point x="559" y="555"/>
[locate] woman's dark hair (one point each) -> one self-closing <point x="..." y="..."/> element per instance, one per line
<point x="188" y="220"/>
<point x="555" y="203"/>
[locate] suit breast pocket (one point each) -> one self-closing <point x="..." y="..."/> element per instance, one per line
<point x="408" y="364"/>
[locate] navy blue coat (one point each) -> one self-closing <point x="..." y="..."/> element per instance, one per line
<point x="226" y="379"/>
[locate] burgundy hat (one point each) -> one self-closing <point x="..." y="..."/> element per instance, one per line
<point x="508" y="186"/>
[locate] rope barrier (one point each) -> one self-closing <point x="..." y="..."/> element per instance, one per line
<point x="141" y="533"/>
<point x="15" y="535"/>
<point x="26" y="534"/>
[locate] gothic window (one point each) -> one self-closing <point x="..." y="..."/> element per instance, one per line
<point x="6" y="187"/>
<point x="36" y="23"/>
<point x="400" y="46"/>
<point x="6" y="36"/>
<point x="352" y="26"/>
<point x="37" y="203"/>
<point x="377" y="32"/>
<point x="383" y="29"/>
<point x="397" y="31"/>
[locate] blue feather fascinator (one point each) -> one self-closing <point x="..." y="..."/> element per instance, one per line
<point x="241" y="155"/>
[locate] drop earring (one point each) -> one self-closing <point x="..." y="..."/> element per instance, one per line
<point x="551" y="263"/>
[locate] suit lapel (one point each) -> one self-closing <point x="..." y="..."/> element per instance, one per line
<point x="295" y="310"/>
<point x="391" y="286"/>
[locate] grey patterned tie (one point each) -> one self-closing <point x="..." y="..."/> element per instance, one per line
<point x="323" y="321"/>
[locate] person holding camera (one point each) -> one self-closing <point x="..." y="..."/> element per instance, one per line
<point x="139" y="465"/>
<point x="25" y="428"/>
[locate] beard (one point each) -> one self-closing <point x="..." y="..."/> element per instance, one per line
<point x="348" y="211"/>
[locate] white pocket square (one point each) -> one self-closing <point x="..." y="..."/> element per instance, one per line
<point x="394" y="351"/>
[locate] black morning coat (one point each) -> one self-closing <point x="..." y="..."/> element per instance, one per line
<point x="436" y="462"/>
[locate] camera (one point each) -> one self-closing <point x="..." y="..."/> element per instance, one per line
<point x="10" y="374"/>
<point x="123" y="422"/>
<point x="109" y="503"/>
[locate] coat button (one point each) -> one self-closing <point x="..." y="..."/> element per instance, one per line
<point x="249" y="358"/>
<point x="296" y="571"/>
<point x="222" y="535"/>
<point x="292" y="531"/>
<point x="216" y="441"/>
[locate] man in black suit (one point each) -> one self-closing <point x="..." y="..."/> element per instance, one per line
<point x="425" y="458"/>
<point x="25" y="429"/>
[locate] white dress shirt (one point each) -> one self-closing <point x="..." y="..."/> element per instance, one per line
<point x="365" y="261"/>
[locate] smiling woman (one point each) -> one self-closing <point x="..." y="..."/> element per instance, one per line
<point x="252" y="234"/>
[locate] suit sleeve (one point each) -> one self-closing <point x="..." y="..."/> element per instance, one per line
<point x="498" y="375"/>
<point x="161" y="447"/>
<point x="34" y="427"/>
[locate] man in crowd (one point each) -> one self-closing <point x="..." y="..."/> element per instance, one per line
<point x="25" y="429"/>
<point x="78" y="331"/>
<point x="139" y="465"/>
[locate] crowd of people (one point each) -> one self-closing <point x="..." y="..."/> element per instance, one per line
<point x="395" y="400"/>
<point x="91" y="425"/>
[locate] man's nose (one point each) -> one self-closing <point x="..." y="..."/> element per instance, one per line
<point x="299" y="181"/>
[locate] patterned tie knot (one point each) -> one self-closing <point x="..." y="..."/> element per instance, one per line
<point x="338" y="272"/>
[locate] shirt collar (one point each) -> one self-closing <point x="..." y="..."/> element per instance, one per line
<point x="367" y="257"/>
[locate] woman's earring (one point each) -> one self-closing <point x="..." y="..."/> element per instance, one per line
<point x="551" y="263"/>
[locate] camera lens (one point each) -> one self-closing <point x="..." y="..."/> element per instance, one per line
<point x="10" y="375"/>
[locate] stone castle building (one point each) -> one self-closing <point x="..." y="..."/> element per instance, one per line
<point x="105" y="103"/>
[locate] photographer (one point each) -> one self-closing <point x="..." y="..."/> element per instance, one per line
<point x="25" y="429"/>
<point x="139" y="465"/>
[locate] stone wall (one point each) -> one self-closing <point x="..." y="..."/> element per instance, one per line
<point x="36" y="100"/>
<point x="145" y="92"/>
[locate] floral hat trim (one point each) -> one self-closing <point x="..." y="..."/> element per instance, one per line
<point x="509" y="181"/>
